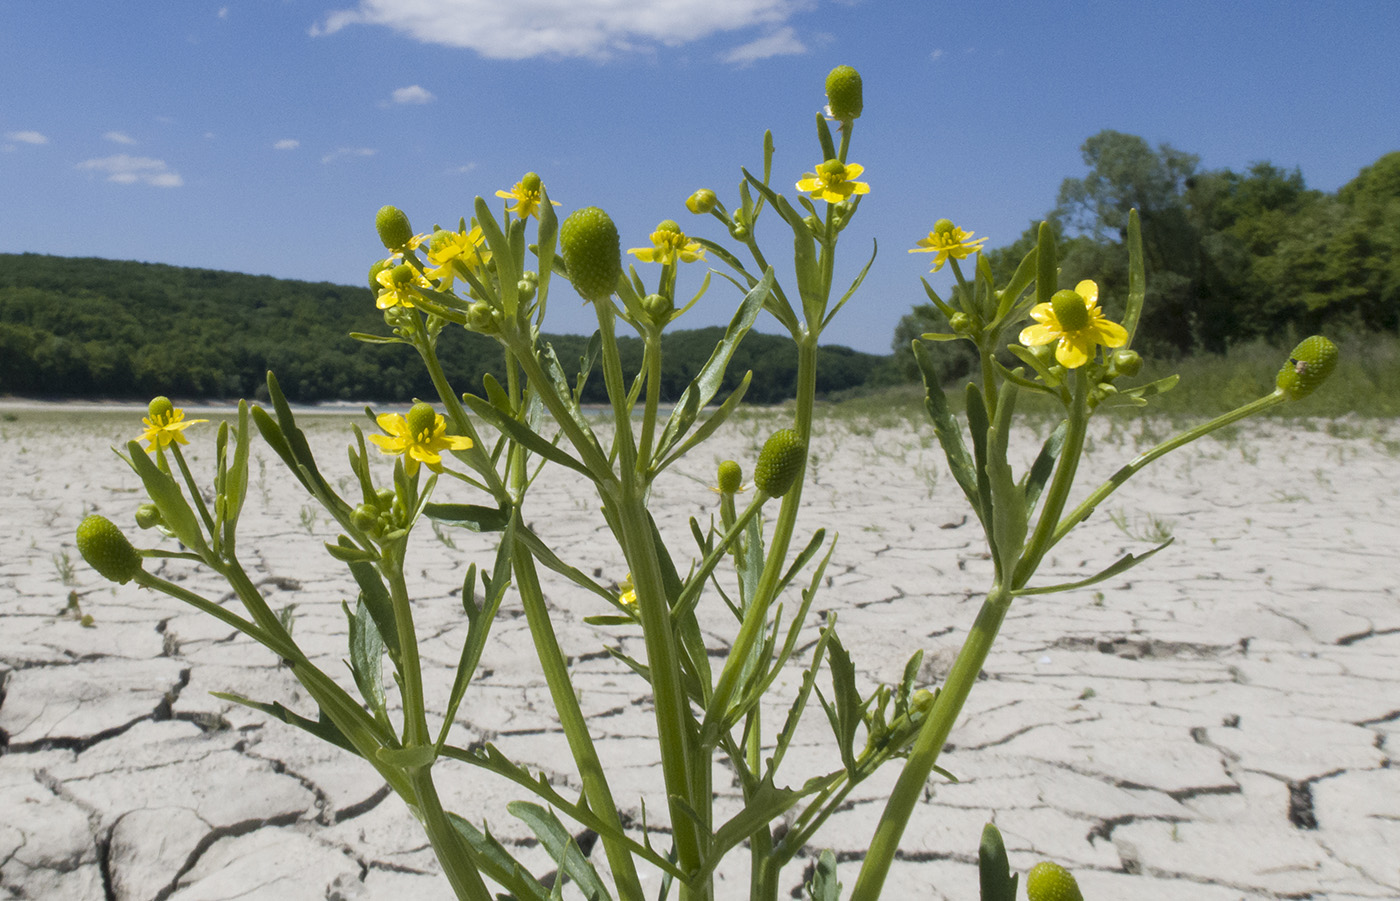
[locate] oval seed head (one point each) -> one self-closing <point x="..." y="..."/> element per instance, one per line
<point x="779" y="462"/>
<point x="844" y="96"/>
<point x="592" y="253"/>
<point x="702" y="201"/>
<point x="392" y="225"/>
<point x="530" y="181"/>
<point x="422" y="418"/>
<point x="1051" y="882"/>
<point x="159" y="408"/>
<point x="1311" y="362"/>
<point x="730" y="477"/>
<point x="106" y="549"/>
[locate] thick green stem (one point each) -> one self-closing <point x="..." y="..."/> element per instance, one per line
<point x="452" y="852"/>
<point x="932" y="737"/>
<point x="571" y="720"/>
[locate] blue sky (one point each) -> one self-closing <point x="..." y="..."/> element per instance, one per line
<point x="261" y="136"/>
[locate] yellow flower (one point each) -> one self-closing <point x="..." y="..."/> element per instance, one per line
<point x="627" y="592"/>
<point x="421" y="437"/>
<point x="526" y="194"/>
<point x="669" y="242"/>
<point x="947" y="240"/>
<point x="1073" y="319"/>
<point x="446" y="248"/>
<point x="396" y="286"/>
<point x="833" y="181"/>
<point x="165" y="424"/>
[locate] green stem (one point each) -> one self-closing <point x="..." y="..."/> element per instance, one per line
<point x="1058" y="494"/>
<point x="461" y="422"/>
<point x="452" y="852"/>
<point x="933" y="735"/>
<point x="571" y="720"/>
<point x="652" y="363"/>
<point x="1081" y="512"/>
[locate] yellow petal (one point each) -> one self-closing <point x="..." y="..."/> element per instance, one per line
<point x="1035" y="335"/>
<point x="1109" y="333"/>
<point x="1089" y="290"/>
<point x="1073" y="351"/>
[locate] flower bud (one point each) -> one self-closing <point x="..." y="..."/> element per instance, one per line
<point x="844" y="96"/>
<point x="1311" y="362"/>
<point x="392" y="225"/>
<point x="364" y="517"/>
<point x="1051" y="882"/>
<point x="481" y="318"/>
<point x="730" y="477"/>
<point x="779" y="463"/>
<point x="1125" y="362"/>
<point x="107" y="550"/>
<point x="592" y="253"/>
<point x="960" y="323"/>
<point x="147" y="516"/>
<point x="702" y="201"/>
<point x="374" y="271"/>
<point x="658" y="308"/>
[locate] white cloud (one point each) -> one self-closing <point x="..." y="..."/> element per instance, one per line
<point x="26" y="137"/>
<point x="117" y="137"/>
<point x="936" y="55"/>
<point x="130" y="170"/>
<point x="783" y="42"/>
<point x="286" y="144"/>
<point x="348" y="151"/>
<point x="587" y="28"/>
<point x="413" y="94"/>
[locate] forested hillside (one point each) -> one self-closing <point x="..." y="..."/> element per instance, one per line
<point x="111" y="329"/>
<point x="1231" y="257"/>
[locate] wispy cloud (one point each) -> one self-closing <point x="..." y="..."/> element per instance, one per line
<point x="783" y="42"/>
<point x="117" y="137"/>
<point x="413" y="94"/>
<point x="130" y="170"/>
<point x="286" y="144"/>
<point x="26" y="137"/>
<point x="348" y="151"/>
<point x="584" y="28"/>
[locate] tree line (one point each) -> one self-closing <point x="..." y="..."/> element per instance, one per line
<point x="84" y="327"/>
<point x="1231" y="257"/>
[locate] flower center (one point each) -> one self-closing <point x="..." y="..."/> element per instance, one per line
<point x="832" y="172"/>
<point x="1070" y="310"/>
<point x="422" y="420"/>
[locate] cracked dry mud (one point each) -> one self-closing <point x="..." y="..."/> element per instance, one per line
<point x="1215" y="725"/>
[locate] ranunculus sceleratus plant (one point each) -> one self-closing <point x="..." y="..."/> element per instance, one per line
<point x="495" y="274"/>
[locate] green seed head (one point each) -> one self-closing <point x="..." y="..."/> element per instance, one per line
<point x="1051" y="882"/>
<point x="669" y="225"/>
<point x="1070" y="311"/>
<point x="106" y="549"/>
<point x="1311" y="362"/>
<point x="422" y="418"/>
<point x="392" y="225"/>
<point x="730" y="477"/>
<point x="530" y="181"/>
<point x="702" y="201"/>
<point x="943" y="226"/>
<point x="779" y="463"/>
<point x="159" y="408"/>
<point x="844" y="96"/>
<point x="588" y="239"/>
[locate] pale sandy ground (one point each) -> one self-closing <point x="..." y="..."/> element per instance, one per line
<point x="1216" y="725"/>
